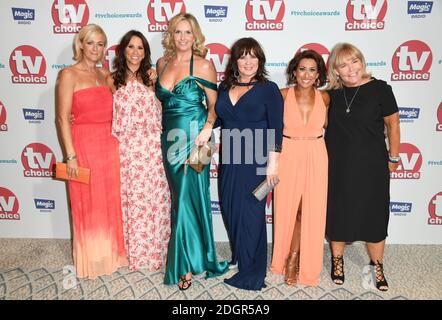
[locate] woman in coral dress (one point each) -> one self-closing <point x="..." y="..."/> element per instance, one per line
<point x="301" y="195"/>
<point x="98" y="245"/>
<point x="145" y="193"/>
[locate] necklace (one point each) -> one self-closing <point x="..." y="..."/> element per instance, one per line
<point x="244" y="84"/>
<point x="347" y="110"/>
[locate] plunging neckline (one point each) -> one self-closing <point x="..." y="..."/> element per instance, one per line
<point x="237" y="101"/>
<point x="177" y="83"/>
<point x="299" y="110"/>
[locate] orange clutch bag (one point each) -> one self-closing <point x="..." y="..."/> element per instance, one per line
<point x="61" y="173"/>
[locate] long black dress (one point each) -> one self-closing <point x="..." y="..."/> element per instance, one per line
<point x="257" y="111"/>
<point x="359" y="181"/>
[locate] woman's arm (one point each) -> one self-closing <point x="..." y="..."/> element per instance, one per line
<point x="326" y="99"/>
<point x="394" y="137"/>
<point x="207" y="71"/>
<point x="64" y="91"/>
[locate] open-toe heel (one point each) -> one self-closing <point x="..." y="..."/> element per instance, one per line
<point x="337" y="269"/>
<point x="381" y="282"/>
<point x="185" y="284"/>
<point x="292" y="268"/>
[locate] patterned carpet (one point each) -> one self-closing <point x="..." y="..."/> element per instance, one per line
<point x="42" y="270"/>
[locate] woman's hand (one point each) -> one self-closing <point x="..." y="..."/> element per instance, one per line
<point x="204" y="135"/>
<point x="72" y="168"/>
<point x="392" y="166"/>
<point x="272" y="169"/>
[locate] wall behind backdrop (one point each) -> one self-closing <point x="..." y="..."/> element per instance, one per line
<point x="400" y="40"/>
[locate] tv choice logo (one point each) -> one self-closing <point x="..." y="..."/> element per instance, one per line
<point x="27" y="65"/>
<point x="365" y="15"/>
<point x="435" y="209"/>
<point x="412" y="61"/>
<point x="409" y="114"/>
<point x="3" y="124"/>
<point x="438" y="125"/>
<point x="265" y="15"/>
<point x="410" y="163"/>
<point x="9" y="205"/>
<point x="69" y="16"/>
<point x="419" y="9"/>
<point x="220" y="55"/>
<point x="23" y="15"/>
<point x="38" y="161"/>
<point x="319" y="48"/>
<point x="109" y="57"/>
<point x="159" y="12"/>
<point x="214" y="163"/>
<point x="400" y="208"/>
<point x="34" y="115"/>
<point x="215" y="13"/>
<point x="44" y="205"/>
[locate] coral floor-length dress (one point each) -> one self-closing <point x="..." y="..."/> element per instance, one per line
<point x="303" y="176"/>
<point x="98" y="245"/>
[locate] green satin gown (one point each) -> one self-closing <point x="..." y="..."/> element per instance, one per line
<point x="191" y="246"/>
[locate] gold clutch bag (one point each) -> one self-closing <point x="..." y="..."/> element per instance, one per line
<point x="61" y="173"/>
<point x="200" y="156"/>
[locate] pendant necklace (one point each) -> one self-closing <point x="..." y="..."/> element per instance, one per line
<point x="347" y="110"/>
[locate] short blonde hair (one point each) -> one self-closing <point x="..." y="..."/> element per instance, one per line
<point x="339" y="52"/>
<point x="198" y="47"/>
<point x="84" y="35"/>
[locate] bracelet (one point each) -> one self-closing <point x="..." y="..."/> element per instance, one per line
<point x="71" y="157"/>
<point x="394" y="159"/>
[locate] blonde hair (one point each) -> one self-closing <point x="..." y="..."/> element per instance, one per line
<point x="198" y="47"/>
<point x="339" y="52"/>
<point x="84" y="35"/>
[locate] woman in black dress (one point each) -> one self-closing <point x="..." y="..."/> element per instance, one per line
<point x="359" y="162"/>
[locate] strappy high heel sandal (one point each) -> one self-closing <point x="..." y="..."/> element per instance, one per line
<point x="185" y="284"/>
<point x="337" y="269"/>
<point x="292" y="268"/>
<point x="381" y="282"/>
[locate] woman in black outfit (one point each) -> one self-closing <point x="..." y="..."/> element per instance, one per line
<point x="359" y="162"/>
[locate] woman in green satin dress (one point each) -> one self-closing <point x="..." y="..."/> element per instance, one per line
<point x="185" y="80"/>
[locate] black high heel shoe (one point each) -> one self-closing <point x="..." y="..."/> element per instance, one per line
<point x="185" y="284"/>
<point x="381" y="282"/>
<point x="337" y="269"/>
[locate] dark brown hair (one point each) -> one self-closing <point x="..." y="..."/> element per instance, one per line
<point x="240" y="48"/>
<point x="307" y="54"/>
<point x="120" y="64"/>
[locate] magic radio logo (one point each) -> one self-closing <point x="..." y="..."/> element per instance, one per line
<point x="410" y="164"/>
<point x="435" y="210"/>
<point x="319" y="48"/>
<point x="438" y="124"/>
<point x="265" y="15"/>
<point x="365" y="15"/>
<point x="109" y="57"/>
<point x="3" y="124"/>
<point x="220" y="55"/>
<point x="9" y="205"/>
<point x="38" y="161"/>
<point x="69" y="16"/>
<point x="23" y="15"/>
<point x="159" y="12"/>
<point x="27" y="65"/>
<point x="412" y="62"/>
<point x="400" y="208"/>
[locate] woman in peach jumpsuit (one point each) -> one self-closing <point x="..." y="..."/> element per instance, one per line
<point x="301" y="195"/>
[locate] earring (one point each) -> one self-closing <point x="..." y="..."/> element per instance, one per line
<point x="236" y="74"/>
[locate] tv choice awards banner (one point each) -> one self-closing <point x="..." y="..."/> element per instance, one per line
<point x="398" y="38"/>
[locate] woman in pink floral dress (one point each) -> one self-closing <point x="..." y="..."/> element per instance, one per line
<point x="145" y="194"/>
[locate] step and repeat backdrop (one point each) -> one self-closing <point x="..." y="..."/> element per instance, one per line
<point x="400" y="40"/>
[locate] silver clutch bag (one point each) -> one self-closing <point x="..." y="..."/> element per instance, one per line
<point x="262" y="190"/>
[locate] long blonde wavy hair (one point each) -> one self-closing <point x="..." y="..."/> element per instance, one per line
<point x="198" y="47"/>
<point x="339" y="52"/>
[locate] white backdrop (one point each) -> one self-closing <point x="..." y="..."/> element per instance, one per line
<point x="400" y="40"/>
